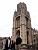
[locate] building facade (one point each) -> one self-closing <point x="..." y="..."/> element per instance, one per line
<point x="22" y="26"/>
<point x="1" y="42"/>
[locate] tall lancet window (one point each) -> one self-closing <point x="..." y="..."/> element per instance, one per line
<point x="26" y="21"/>
<point x="18" y="21"/>
<point x="18" y="33"/>
<point x="27" y="37"/>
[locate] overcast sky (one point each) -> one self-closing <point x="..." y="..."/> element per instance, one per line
<point x="7" y="8"/>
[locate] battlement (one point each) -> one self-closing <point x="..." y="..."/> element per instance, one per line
<point x="21" y="6"/>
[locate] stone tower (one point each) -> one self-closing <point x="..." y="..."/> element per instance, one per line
<point x="22" y="24"/>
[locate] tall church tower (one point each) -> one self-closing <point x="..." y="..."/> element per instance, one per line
<point x="22" y="24"/>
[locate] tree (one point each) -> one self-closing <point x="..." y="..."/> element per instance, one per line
<point x="18" y="41"/>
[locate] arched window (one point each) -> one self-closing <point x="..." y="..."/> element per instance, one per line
<point x="18" y="21"/>
<point x="27" y="37"/>
<point x="18" y="33"/>
<point x="26" y="21"/>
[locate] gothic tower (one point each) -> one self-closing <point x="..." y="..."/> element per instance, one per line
<point x="22" y="24"/>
